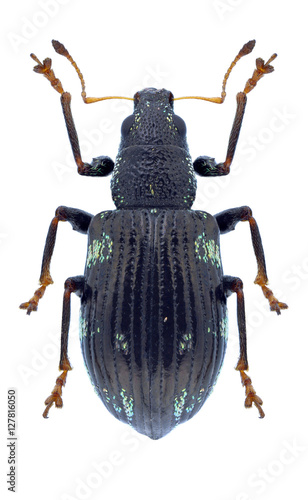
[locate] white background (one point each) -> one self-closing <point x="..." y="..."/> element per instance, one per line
<point x="225" y="452"/>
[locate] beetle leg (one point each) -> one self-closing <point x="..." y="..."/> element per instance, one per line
<point x="101" y="166"/>
<point x="72" y="285"/>
<point x="231" y="285"/>
<point x="206" y="166"/>
<point x="80" y="222"/>
<point x="227" y="221"/>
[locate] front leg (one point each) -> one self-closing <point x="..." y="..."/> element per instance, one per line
<point x="99" y="167"/>
<point x="80" y="222"/>
<point x="227" y="221"/>
<point x="206" y="166"/>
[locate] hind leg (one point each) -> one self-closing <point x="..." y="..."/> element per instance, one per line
<point x="72" y="285"/>
<point x="235" y="285"/>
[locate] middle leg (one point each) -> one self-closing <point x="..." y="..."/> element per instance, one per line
<point x="80" y="222"/>
<point x="227" y="221"/>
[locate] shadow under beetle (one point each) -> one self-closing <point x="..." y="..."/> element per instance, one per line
<point x="153" y="319"/>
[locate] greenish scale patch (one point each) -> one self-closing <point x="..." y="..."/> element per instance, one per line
<point x="185" y="343"/>
<point x="99" y="250"/>
<point x="207" y="250"/>
<point x="117" y="408"/>
<point x="83" y="327"/>
<point x="188" y="199"/>
<point x="93" y="333"/>
<point x="191" y="406"/>
<point x="179" y="402"/>
<point x="106" y="394"/>
<point x="121" y="343"/>
<point x="179" y="405"/>
<point x="128" y="405"/>
<point x="223" y="327"/>
<point x="200" y="395"/>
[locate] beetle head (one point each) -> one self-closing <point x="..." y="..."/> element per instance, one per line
<point x="153" y="121"/>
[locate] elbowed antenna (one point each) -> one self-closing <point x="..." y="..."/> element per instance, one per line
<point x="246" y="49"/>
<point x="60" y="49"/>
<point x="261" y="69"/>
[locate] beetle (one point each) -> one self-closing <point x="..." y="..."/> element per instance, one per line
<point x="153" y="318"/>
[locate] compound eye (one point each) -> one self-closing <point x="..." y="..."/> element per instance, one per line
<point x="180" y="125"/>
<point x="126" y="125"/>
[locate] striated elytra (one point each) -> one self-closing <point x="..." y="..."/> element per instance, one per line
<point x="153" y="319"/>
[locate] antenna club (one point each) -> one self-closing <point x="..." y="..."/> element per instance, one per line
<point x="59" y="48"/>
<point x="247" y="48"/>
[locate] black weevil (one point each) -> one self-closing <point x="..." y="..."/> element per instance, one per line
<point x="153" y="320"/>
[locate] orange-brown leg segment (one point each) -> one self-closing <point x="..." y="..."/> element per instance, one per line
<point x="235" y="285"/>
<point x="227" y="221"/>
<point x="80" y="221"/>
<point x="72" y="285"/>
